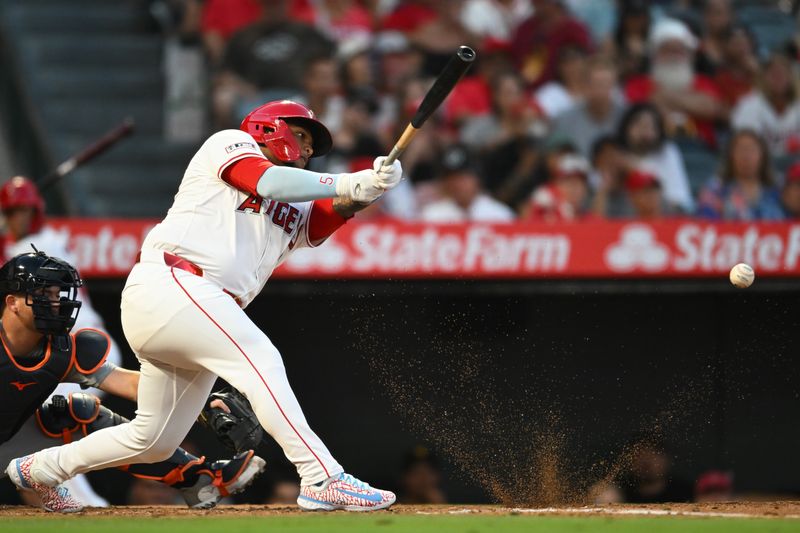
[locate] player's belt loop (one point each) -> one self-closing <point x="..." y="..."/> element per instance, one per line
<point x="172" y="260"/>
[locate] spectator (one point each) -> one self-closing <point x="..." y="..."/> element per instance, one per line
<point x="599" y="16"/>
<point x="690" y="102"/>
<point x="744" y="190"/>
<point x="421" y="158"/>
<point x="284" y="492"/>
<point x="472" y="96"/>
<point x="643" y="138"/>
<point x="265" y="61"/>
<point x="567" y="89"/>
<point x="463" y="200"/>
<point x="339" y="20"/>
<point x="513" y="115"/>
<point x="607" y="179"/>
<point x="399" y="61"/>
<point x="421" y="479"/>
<point x="355" y="144"/>
<point x="564" y="197"/>
<point x="604" y="492"/>
<point x="409" y="15"/>
<point x="717" y="23"/>
<point x="356" y="69"/>
<point x="774" y="110"/>
<point x="223" y="18"/>
<point x="790" y="196"/>
<point x="439" y="36"/>
<point x="649" y="477"/>
<point x="505" y="139"/>
<point x="321" y="91"/>
<point x="495" y="19"/>
<point x="628" y="45"/>
<point x="538" y="41"/>
<point x="598" y="115"/>
<point x="714" y="486"/>
<point x="644" y="195"/>
<point x="736" y="75"/>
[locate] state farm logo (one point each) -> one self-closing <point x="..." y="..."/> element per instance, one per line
<point x="637" y="247"/>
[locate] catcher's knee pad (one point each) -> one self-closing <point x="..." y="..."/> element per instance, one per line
<point x="61" y="417"/>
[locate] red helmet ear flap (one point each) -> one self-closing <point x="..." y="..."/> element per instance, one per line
<point x="281" y="141"/>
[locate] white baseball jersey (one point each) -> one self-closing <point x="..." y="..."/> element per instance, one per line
<point x="237" y="238"/>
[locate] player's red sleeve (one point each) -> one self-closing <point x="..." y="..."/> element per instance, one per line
<point x="323" y="220"/>
<point x="245" y="173"/>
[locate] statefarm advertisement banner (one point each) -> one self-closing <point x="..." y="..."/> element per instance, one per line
<point x="392" y="249"/>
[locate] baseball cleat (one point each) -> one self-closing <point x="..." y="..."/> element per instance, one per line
<point x="224" y="478"/>
<point x="343" y="492"/>
<point x="55" y="499"/>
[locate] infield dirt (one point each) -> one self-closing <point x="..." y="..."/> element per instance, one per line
<point x="776" y="509"/>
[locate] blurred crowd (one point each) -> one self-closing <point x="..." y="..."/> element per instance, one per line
<point x="574" y="110"/>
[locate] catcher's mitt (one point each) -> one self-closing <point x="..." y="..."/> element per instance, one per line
<point x="238" y="430"/>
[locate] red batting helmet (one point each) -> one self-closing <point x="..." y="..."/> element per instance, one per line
<point x="267" y="124"/>
<point x="18" y="192"/>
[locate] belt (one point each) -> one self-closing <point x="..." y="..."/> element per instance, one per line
<point x="174" y="261"/>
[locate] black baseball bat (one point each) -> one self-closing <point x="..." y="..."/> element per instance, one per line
<point x="447" y="79"/>
<point x="87" y="154"/>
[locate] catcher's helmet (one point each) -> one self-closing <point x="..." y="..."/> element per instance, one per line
<point x="267" y="124"/>
<point x="19" y="192"/>
<point x="30" y="274"/>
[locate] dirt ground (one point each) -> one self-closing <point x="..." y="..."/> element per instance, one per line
<point x="776" y="509"/>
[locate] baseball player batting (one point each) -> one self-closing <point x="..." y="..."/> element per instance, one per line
<point x="244" y="205"/>
<point x="39" y="308"/>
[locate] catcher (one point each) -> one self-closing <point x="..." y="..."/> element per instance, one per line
<point x="39" y="307"/>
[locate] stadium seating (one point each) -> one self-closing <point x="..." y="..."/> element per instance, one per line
<point x="86" y="65"/>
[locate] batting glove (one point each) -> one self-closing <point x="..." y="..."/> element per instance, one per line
<point x="388" y="177"/>
<point x="359" y="186"/>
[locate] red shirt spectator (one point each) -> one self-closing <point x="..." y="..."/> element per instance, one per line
<point x="537" y="42"/>
<point x="564" y="197"/>
<point x="642" y="88"/>
<point x="226" y="17"/>
<point x="471" y="97"/>
<point x="689" y="102"/>
<point x="339" y="20"/>
<point x="409" y="16"/>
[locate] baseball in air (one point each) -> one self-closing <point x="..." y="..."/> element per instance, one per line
<point x="742" y="275"/>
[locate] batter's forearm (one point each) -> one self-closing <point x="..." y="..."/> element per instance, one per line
<point x="346" y="207"/>
<point x="287" y="184"/>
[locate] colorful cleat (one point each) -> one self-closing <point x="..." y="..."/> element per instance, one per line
<point x="343" y="492"/>
<point x="224" y="478"/>
<point x="55" y="499"/>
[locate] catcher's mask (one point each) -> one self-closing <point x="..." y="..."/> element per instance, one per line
<point x="35" y="274"/>
<point x="269" y="126"/>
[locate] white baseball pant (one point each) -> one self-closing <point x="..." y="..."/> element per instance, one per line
<point x="186" y="331"/>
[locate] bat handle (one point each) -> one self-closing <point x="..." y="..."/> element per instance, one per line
<point x="394" y="154"/>
<point x="402" y="143"/>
